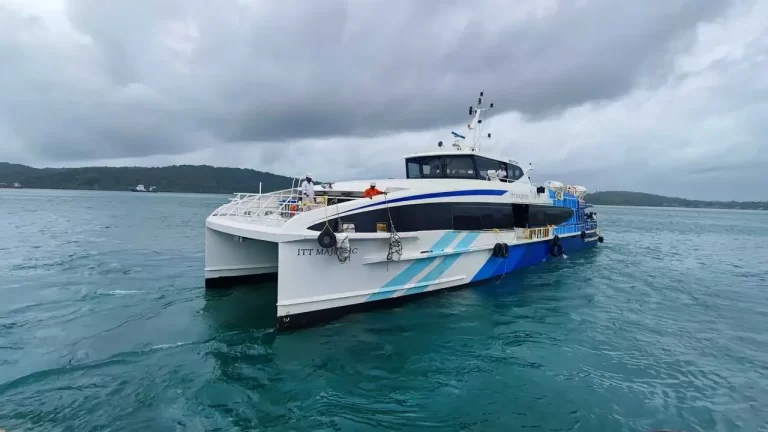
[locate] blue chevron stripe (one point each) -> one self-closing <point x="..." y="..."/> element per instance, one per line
<point x="443" y="265"/>
<point x="413" y="269"/>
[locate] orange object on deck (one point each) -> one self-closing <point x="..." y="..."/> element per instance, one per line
<point x="371" y="192"/>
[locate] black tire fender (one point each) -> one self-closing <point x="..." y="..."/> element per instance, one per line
<point x="326" y="239"/>
<point x="500" y="250"/>
<point x="556" y="249"/>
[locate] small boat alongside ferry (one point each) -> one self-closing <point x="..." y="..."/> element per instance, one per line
<point x="458" y="217"/>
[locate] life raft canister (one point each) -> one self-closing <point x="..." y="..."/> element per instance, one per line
<point x="555" y="248"/>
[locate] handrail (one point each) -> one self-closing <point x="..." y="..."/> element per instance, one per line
<point x="268" y="208"/>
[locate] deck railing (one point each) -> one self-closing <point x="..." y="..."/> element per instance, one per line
<point x="536" y="233"/>
<point x="274" y="208"/>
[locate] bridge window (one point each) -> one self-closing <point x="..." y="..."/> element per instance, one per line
<point x="425" y="167"/>
<point x="515" y="172"/>
<point x="460" y="167"/>
<point x="449" y="166"/>
<point x="484" y="165"/>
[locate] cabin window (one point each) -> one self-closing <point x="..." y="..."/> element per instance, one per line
<point x="476" y="218"/>
<point x="484" y="165"/>
<point x="460" y="167"/>
<point x="514" y="172"/>
<point x="425" y="167"/>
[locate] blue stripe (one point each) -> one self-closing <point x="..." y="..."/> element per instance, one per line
<point x="443" y="265"/>
<point x="471" y="192"/>
<point x="526" y="255"/>
<point x="414" y="269"/>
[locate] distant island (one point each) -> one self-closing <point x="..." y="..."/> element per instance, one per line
<point x="623" y="198"/>
<point x="176" y="178"/>
<point x="209" y="179"/>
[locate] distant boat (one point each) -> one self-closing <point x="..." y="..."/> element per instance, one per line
<point x="17" y="185"/>
<point x="140" y="188"/>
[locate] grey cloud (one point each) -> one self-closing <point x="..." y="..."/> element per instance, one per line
<point x="172" y="76"/>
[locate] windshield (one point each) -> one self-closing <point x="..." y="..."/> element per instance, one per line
<point x="448" y="166"/>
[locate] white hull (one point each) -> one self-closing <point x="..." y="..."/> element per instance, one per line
<point x="312" y="278"/>
<point x="231" y="256"/>
<point x="312" y="283"/>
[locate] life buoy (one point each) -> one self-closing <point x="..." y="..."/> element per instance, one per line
<point x="556" y="249"/>
<point x="326" y="239"/>
<point x="556" y="239"/>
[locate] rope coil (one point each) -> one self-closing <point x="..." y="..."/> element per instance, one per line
<point x="343" y="250"/>
<point x="395" y="246"/>
<point x="395" y="242"/>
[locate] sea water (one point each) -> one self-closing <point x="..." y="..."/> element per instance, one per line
<point x="105" y="325"/>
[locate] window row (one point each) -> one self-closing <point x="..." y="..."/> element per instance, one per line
<point x="461" y="167"/>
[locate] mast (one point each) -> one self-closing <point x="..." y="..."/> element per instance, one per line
<point x="475" y="127"/>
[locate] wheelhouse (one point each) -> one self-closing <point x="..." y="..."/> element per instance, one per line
<point x="460" y="166"/>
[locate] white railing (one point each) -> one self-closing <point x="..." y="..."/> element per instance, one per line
<point x="274" y="208"/>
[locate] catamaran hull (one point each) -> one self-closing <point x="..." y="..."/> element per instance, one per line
<point x="313" y="286"/>
<point x="231" y="259"/>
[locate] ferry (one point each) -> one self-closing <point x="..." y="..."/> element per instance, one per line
<point x="458" y="217"/>
<point x="141" y="188"/>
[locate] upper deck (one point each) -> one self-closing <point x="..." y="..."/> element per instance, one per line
<point x="463" y="164"/>
<point x="432" y="175"/>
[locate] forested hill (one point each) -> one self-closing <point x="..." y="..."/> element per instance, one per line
<point x="621" y="198"/>
<point x="209" y="179"/>
<point x="176" y="178"/>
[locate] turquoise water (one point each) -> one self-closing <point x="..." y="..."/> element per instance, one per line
<point x="105" y="325"/>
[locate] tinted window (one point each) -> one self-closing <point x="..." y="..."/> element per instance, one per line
<point x="514" y="172"/>
<point x="540" y="215"/>
<point x="475" y="218"/>
<point x="413" y="169"/>
<point x="460" y="167"/>
<point x="483" y="165"/>
<point x="446" y="216"/>
<point x="425" y="167"/>
<point x="506" y="172"/>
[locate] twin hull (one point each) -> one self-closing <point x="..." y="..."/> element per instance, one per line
<point x="313" y="282"/>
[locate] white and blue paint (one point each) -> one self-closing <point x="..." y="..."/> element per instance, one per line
<point x="519" y="256"/>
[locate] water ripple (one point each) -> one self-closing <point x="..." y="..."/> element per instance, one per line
<point x="104" y="325"/>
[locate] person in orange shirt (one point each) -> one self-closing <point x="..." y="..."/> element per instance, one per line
<point x="371" y="191"/>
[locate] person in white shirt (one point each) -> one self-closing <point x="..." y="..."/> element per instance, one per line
<point x="308" y="189"/>
<point x="501" y="173"/>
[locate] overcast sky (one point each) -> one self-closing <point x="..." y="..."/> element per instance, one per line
<point x="661" y="96"/>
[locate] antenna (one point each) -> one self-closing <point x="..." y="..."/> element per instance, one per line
<point x="476" y="125"/>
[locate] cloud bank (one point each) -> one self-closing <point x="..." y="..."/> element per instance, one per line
<point x="610" y="94"/>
